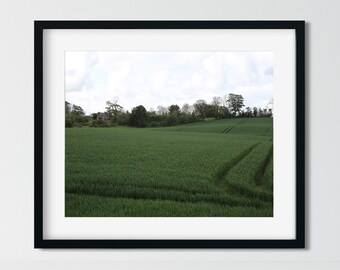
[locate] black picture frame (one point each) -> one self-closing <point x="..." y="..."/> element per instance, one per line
<point x="298" y="242"/>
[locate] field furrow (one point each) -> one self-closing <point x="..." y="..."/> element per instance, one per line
<point x="267" y="179"/>
<point x="230" y="128"/>
<point x="159" y="194"/>
<point x="221" y="173"/>
<point x="246" y="177"/>
<point x="98" y="206"/>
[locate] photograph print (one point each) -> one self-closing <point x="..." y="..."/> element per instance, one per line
<point x="169" y="133"/>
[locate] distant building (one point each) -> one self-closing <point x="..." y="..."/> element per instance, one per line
<point x="103" y="116"/>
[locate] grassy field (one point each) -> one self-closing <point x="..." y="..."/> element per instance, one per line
<point x="210" y="168"/>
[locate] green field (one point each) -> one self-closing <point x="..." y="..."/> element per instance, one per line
<point x="210" y="168"/>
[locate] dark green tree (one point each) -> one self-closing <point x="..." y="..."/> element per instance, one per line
<point x="76" y="117"/>
<point x="123" y="118"/>
<point x="138" y="117"/>
<point x="201" y="108"/>
<point x="171" y="120"/>
<point x="248" y="112"/>
<point x="235" y="103"/>
<point x="174" y="109"/>
<point x="255" y="111"/>
<point x="224" y="112"/>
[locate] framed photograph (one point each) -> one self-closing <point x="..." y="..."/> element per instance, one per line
<point x="169" y="134"/>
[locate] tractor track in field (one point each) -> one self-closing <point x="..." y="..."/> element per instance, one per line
<point x="149" y="193"/>
<point x="259" y="176"/>
<point x="143" y="187"/>
<point x="223" y="171"/>
<point x="257" y="179"/>
<point x="228" y="129"/>
<point x="168" y="196"/>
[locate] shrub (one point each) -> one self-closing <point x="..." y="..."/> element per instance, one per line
<point x="154" y="124"/>
<point x="100" y="123"/>
<point x="171" y="120"/>
<point x="69" y="122"/>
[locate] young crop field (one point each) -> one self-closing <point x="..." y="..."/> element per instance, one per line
<point x="217" y="168"/>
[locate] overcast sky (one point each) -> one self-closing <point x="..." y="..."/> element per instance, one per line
<point x="165" y="78"/>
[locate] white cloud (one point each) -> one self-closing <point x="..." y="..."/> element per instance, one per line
<point x="78" y="67"/>
<point x="165" y="78"/>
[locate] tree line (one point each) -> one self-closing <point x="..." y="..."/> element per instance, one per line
<point x="231" y="106"/>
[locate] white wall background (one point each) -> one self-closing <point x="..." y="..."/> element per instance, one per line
<point x="322" y="127"/>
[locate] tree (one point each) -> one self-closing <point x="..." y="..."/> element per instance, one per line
<point x="260" y="112"/>
<point x="171" y="120"/>
<point x="210" y="111"/>
<point x="248" y="112"/>
<point x="186" y="108"/>
<point x="216" y="103"/>
<point x="265" y="112"/>
<point x="69" y="119"/>
<point x="67" y="108"/>
<point x="77" y="110"/>
<point x="225" y="100"/>
<point x="77" y="117"/>
<point x="255" y="111"/>
<point x="113" y="109"/>
<point x="270" y="113"/>
<point x="201" y="108"/>
<point x="123" y="118"/>
<point x="161" y="110"/>
<point x="235" y="103"/>
<point x="174" y="109"/>
<point x="138" y="117"/>
<point x="224" y="112"/>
